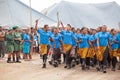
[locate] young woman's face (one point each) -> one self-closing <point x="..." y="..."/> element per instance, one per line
<point x="104" y="29"/>
<point x="78" y="31"/>
<point x="47" y="28"/>
<point x="68" y="28"/>
<point x="35" y="32"/>
<point x="93" y="32"/>
<point x="84" y="31"/>
<point x="98" y="29"/>
<point x="55" y="31"/>
<point x="27" y="31"/>
<point x="74" y="30"/>
<point x="114" y="32"/>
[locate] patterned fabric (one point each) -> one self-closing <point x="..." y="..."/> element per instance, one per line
<point x="43" y="49"/>
<point x="66" y="47"/>
<point x="100" y="53"/>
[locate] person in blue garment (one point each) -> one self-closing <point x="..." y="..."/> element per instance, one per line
<point x="84" y="43"/>
<point x="56" y="44"/>
<point x="67" y="45"/>
<point x="36" y="46"/>
<point x="103" y="43"/>
<point x="45" y="39"/>
<point x="114" y="40"/>
<point x="90" y="54"/>
<point x="94" y="43"/>
<point x="78" y="59"/>
<point x="73" y="53"/>
<point x="118" y="50"/>
<point x="26" y="44"/>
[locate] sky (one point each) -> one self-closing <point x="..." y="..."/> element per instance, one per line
<point x="40" y="5"/>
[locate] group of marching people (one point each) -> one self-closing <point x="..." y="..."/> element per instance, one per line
<point x="95" y="47"/>
<point x="89" y="47"/>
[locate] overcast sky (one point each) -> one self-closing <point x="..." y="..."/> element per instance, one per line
<point x="42" y="4"/>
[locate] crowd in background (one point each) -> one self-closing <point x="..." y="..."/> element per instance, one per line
<point x="98" y="48"/>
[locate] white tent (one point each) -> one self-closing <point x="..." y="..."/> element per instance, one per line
<point x="88" y="15"/>
<point x="14" y="12"/>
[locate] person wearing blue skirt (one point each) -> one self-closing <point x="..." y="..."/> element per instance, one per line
<point x="26" y="44"/>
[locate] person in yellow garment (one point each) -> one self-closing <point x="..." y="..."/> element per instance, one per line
<point x="45" y="37"/>
<point x="118" y="52"/>
<point x="90" y="61"/>
<point x="103" y="43"/>
<point x="84" y="43"/>
<point x="67" y="45"/>
<point x="114" y="40"/>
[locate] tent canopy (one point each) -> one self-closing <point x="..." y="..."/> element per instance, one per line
<point x="87" y="15"/>
<point x="14" y="12"/>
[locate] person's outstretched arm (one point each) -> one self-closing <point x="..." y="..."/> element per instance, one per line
<point x="36" y="25"/>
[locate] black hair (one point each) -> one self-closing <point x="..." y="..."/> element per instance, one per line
<point x="112" y="30"/>
<point x="72" y="28"/>
<point x="83" y="28"/>
<point x="45" y="25"/>
<point x="69" y="25"/>
<point x="31" y="28"/>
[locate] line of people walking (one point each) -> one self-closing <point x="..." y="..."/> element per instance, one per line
<point x="98" y="48"/>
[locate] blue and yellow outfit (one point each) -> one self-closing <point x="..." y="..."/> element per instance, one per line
<point x="83" y="45"/>
<point x="114" y="46"/>
<point x="74" y="44"/>
<point x="44" y="41"/>
<point x="26" y="44"/>
<point x="67" y="40"/>
<point x="91" y="51"/>
<point x="103" y="44"/>
<point x="57" y="41"/>
<point x="118" y="44"/>
<point x="114" y="40"/>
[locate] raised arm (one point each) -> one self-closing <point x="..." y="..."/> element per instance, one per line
<point x="62" y="26"/>
<point x="36" y="25"/>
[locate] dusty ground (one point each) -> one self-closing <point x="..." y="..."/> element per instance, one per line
<point x="31" y="70"/>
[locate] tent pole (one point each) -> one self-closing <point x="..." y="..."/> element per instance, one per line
<point x="30" y="13"/>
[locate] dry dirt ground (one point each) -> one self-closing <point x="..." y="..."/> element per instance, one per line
<point x="31" y="70"/>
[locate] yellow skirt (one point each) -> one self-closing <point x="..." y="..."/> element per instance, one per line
<point x="100" y="53"/>
<point x="113" y="53"/>
<point x="43" y="49"/>
<point x="66" y="47"/>
<point x="97" y="52"/>
<point x="118" y="52"/>
<point x="91" y="53"/>
<point x="82" y="52"/>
